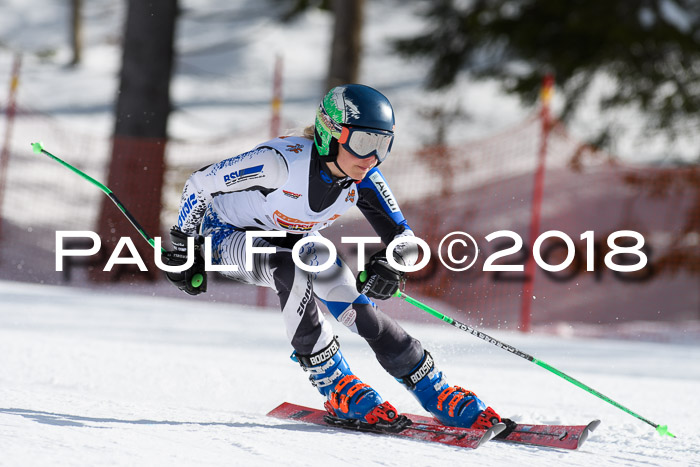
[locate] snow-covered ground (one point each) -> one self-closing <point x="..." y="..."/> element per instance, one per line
<point x="96" y="379"/>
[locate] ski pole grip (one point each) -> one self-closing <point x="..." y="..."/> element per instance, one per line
<point x="197" y="280"/>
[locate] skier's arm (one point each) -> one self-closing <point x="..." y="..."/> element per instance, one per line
<point x="262" y="168"/>
<point x="380" y="208"/>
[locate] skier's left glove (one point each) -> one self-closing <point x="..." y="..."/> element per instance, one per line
<point x="193" y="280"/>
<point x="379" y="280"/>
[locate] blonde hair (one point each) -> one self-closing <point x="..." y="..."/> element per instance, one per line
<point x="307" y="132"/>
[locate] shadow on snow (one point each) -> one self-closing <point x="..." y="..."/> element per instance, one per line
<point x="58" y="419"/>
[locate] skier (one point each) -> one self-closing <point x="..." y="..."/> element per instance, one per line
<point x="300" y="185"/>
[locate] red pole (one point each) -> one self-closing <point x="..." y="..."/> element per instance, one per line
<point x="10" y="117"/>
<point x="276" y="98"/>
<point x="538" y="189"/>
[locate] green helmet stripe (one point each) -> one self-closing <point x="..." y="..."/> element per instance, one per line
<point x="329" y="118"/>
<point x="334" y="105"/>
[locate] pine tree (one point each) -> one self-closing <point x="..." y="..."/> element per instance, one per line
<point x="651" y="48"/>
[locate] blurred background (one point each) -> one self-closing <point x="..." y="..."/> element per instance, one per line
<point x="525" y="116"/>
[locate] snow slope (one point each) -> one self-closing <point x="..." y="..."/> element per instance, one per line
<point x="97" y="379"/>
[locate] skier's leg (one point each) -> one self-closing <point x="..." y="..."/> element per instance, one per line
<point x="346" y="396"/>
<point x="399" y="353"/>
<point x="307" y="330"/>
<point x="309" y="333"/>
<point x="395" y="349"/>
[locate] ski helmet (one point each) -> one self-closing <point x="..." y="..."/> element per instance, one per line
<point x="353" y="105"/>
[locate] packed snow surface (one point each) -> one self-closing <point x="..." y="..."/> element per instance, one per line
<point x="101" y="379"/>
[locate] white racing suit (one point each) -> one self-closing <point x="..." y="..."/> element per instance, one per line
<point x="282" y="185"/>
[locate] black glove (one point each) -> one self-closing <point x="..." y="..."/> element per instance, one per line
<point x="379" y="280"/>
<point x="193" y="280"/>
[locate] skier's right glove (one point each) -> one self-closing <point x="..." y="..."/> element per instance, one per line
<point x="379" y="280"/>
<point x="193" y="280"/>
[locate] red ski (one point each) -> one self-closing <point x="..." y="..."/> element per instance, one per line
<point x="553" y="436"/>
<point x="419" y="429"/>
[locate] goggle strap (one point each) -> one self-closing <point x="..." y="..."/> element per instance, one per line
<point x="344" y="135"/>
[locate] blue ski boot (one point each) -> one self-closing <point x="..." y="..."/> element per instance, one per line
<point x="349" y="401"/>
<point x="450" y="405"/>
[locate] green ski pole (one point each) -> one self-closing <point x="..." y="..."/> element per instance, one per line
<point x="38" y="148"/>
<point x="661" y="429"/>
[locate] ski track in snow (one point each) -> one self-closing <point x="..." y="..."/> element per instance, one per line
<point x="97" y="379"/>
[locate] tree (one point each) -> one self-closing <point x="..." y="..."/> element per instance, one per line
<point x="346" y="45"/>
<point x="140" y="132"/>
<point x="76" y="31"/>
<point x="651" y="48"/>
<point x="346" y="48"/>
<point x="300" y="6"/>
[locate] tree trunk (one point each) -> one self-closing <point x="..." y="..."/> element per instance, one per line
<point x="76" y="31"/>
<point x="140" y="133"/>
<point x="347" y="43"/>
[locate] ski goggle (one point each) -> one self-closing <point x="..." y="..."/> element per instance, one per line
<point x="366" y="142"/>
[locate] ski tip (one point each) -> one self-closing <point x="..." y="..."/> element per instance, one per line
<point x="37" y="147"/>
<point x="274" y="412"/>
<point x="492" y="433"/>
<point x="586" y="432"/>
